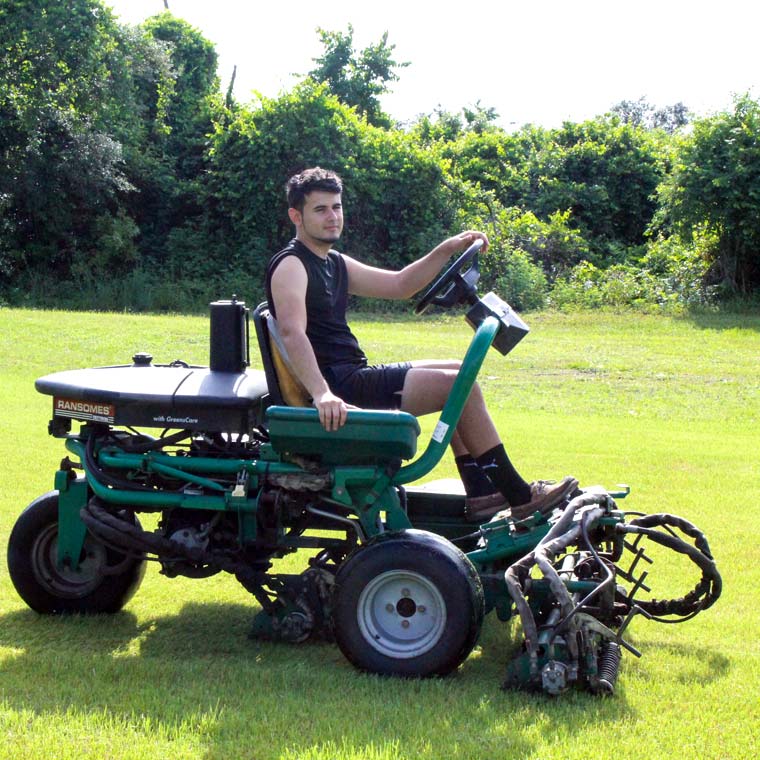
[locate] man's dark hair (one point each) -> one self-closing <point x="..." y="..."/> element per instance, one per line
<point x="309" y="180"/>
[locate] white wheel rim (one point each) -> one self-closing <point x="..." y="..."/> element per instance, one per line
<point x="401" y="614"/>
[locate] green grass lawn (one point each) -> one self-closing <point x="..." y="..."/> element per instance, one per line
<point x="670" y="406"/>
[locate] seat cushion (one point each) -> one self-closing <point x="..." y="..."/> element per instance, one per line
<point x="367" y="437"/>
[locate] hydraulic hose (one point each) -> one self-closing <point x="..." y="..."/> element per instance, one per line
<point x="563" y="533"/>
<point x="709" y="587"/>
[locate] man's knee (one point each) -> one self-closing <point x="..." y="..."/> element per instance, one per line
<point x="476" y="395"/>
<point x="426" y="389"/>
<point x="430" y="380"/>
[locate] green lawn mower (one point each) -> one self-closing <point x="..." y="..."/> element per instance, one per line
<point x="240" y="473"/>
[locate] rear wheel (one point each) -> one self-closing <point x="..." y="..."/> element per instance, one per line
<point x="409" y="604"/>
<point x="104" y="582"/>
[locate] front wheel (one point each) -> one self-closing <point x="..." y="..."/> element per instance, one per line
<point x="407" y="604"/>
<point x="104" y="582"/>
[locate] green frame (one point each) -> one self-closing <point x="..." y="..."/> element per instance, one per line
<point x="368" y="489"/>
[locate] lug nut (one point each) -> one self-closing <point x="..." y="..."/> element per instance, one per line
<point x="404" y="623"/>
<point x="389" y="608"/>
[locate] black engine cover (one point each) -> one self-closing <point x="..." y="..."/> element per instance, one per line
<point x="192" y="398"/>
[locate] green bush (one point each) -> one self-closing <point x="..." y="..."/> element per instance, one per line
<point x="552" y="244"/>
<point x="587" y="286"/>
<point x="669" y="277"/>
<point x="396" y="204"/>
<point x="126" y="182"/>
<point x="684" y="270"/>
<point x="714" y="185"/>
<point x="511" y="274"/>
<point x="520" y="282"/>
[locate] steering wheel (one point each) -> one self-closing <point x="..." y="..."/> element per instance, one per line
<point x="452" y="287"/>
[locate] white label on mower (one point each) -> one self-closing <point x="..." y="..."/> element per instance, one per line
<point x="440" y="432"/>
<point x="83" y="410"/>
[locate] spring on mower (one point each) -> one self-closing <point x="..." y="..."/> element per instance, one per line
<point x="609" y="664"/>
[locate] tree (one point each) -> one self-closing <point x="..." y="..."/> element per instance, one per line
<point x="195" y="99"/>
<point x="480" y="118"/>
<point x="397" y="206"/>
<point x="714" y="187"/>
<point x="168" y="167"/>
<point x="63" y="75"/>
<point x="357" y="78"/>
<point x="606" y="173"/>
<point x="640" y="113"/>
<point x="447" y="126"/>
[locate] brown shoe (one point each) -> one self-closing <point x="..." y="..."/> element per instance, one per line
<point x="544" y="496"/>
<point x="480" y="509"/>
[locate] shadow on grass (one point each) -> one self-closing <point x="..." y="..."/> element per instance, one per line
<point x="725" y="320"/>
<point x="686" y="664"/>
<point x="198" y="671"/>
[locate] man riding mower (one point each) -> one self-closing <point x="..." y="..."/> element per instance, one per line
<point x="240" y="473"/>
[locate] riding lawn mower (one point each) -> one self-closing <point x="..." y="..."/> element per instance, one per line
<point x="240" y="473"/>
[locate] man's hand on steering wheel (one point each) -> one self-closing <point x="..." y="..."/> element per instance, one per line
<point x="451" y="287"/>
<point x="463" y="240"/>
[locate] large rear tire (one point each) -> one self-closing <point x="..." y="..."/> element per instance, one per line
<point x="407" y="604"/>
<point x="104" y="582"/>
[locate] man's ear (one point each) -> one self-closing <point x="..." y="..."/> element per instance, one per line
<point x="295" y="216"/>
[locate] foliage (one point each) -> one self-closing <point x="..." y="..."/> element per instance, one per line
<point x="525" y="252"/>
<point x="552" y="244"/>
<point x="715" y="186"/>
<point x="54" y="63"/>
<point x="599" y="177"/>
<point x="590" y="287"/>
<point x="357" y="78"/>
<point x="387" y="177"/>
<point x="445" y="125"/>
<point x="494" y="161"/>
<point x="682" y="269"/>
<point x="640" y="113"/>
<point x="79" y="95"/>
<point x="171" y="167"/>
<point x="605" y="173"/>
<point x="669" y="276"/>
<point x="511" y="274"/>
<point x="125" y="175"/>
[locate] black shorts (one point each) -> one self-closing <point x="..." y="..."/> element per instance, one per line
<point x="375" y="387"/>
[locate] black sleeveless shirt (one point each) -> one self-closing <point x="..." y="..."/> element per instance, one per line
<point x="326" y="302"/>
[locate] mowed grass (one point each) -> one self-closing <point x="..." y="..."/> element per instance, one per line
<point x="670" y="406"/>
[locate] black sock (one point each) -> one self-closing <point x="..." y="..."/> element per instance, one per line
<point x="495" y="464"/>
<point x="475" y="481"/>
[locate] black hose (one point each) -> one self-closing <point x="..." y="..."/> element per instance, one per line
<point x="707" y="590"/>
<point x="560" y="535"/>
<point x="157" y="443"/>
<point x="98" y="475"/>
<point x="597" y="589"/>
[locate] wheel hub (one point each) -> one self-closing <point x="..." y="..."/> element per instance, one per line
<point x="65" y="582"/>
<point x="401" y="614"/>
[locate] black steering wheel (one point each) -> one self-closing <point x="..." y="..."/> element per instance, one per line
<point x="452" y="287"/>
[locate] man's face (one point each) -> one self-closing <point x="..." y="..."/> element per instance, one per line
<point x="322" y="216"/>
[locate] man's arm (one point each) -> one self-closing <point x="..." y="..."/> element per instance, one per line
<point x="288" y="286"/>
<point x="369" y="281"/>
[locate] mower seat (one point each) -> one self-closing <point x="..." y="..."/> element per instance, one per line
<point x="284" y="387"/>
<point x="369" y="436"/>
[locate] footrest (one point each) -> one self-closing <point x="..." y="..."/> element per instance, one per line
<point x="368" y="436"/>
